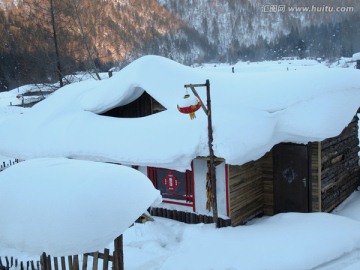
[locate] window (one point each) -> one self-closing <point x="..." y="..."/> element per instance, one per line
<point x="175" y="187"/>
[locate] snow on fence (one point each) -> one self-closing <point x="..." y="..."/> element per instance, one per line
<point x="46" y="262"/>
<point x="7" y="163"/>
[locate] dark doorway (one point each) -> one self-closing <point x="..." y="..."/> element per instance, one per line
<point x="291" y="178"/>
<point x="143" y="106"/>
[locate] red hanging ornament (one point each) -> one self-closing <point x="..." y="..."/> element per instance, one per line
<point x="189" y="105"/>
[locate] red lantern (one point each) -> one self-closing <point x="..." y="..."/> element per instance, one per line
<point x="189" y="105"/>
<point x="19" y="96"/>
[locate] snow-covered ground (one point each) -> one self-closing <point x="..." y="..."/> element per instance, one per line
<point x="285" y="241"/>
<point x="316" y="241"/>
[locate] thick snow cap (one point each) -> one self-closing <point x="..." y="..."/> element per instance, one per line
<point x="67" y="207"/>
<point x="356" y="56"/>
<point x="252" y="111"/>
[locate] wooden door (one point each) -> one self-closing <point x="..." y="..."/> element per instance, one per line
<point x="291" y="178"/>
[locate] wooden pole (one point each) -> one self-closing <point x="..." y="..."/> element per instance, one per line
<point x="43" y="261"/>
<point x="212" y="156"/>
<point x="212" y="172"/>
<point x="118" y="253"/>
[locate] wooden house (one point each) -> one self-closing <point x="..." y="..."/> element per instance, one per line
<point x="290" y="178"/>
<point x="296" y="178"/>
<point x="315" y="177"/>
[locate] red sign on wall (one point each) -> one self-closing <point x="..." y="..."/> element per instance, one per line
<point x="171" y="182"/>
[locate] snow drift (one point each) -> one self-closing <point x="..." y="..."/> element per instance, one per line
<point x="66" y="207"/>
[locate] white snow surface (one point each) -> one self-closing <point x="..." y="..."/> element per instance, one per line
<point x="296" y="241"/>
<point x="65" y="207"/>
<point x="356" y="56"/>
<point x="286" y="241"/>
<point x="252" y="109"/>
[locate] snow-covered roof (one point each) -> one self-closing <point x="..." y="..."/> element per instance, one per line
<point x="356" y="56"/>
<point x="252" y="111"/>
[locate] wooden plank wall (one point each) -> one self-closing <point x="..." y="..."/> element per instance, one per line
<point x="315" y="178"/>
<point x="266" y="165"/>
<point x="340" y="172"/>
<point x="246" y="192"/>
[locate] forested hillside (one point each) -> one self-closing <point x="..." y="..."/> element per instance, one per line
<point x="44" y="40"/>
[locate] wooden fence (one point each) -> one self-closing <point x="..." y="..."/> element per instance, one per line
<point x="83" y="262"/>
<point x="5" y="164"/>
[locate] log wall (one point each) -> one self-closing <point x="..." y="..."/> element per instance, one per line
<point x="267" y="174"/>
<point x="246" y="192"/>
<point x="315" y="177"/>
<point x="340" y="172"/>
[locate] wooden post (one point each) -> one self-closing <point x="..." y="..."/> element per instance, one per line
<point x="63" y="263"/>
<point x="70" y="262"/>
<point x="95" y="261"/>
<point x="76" y="262"/>
<point x="358" y="64"/>
<point x="118" y="260"/>
<point x="106" y="259"/>
<point x="85" y="260"/>
<point x="43" y="261"/>
<point x="48" y="262"/>
<point x="212" y="168"/>
<point x="56" y="264"/>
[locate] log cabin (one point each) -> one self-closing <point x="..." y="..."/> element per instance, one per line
<point x="313" y="177"/>
<point x="277" y="135"/>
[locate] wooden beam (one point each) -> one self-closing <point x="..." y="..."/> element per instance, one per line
<point x="195" y="85"/>
<point x="202" y="103"/>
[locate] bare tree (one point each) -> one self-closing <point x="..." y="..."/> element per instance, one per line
<point x="76" y="8"/>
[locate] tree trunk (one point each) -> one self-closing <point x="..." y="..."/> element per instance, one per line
<point x="57" y="53"/>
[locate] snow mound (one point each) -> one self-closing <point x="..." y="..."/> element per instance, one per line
<point x="67" y="207"/>
<point x="356" y="56"/>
